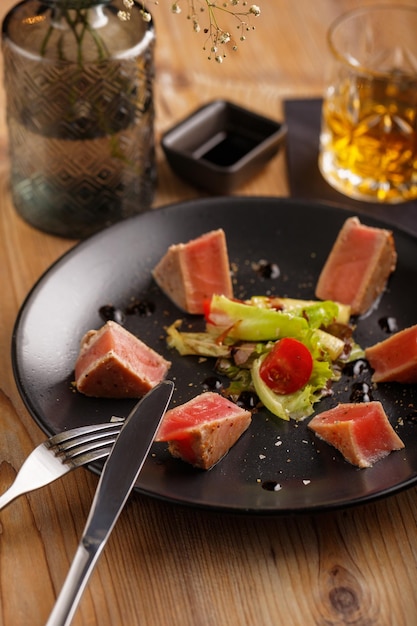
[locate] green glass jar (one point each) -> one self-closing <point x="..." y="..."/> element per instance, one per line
<point x="80" y="113"/>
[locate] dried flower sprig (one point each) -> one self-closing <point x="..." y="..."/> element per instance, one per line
<point x="209" y="10"/>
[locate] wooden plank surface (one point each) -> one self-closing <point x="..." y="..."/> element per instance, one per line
<point x="166" y="564"/>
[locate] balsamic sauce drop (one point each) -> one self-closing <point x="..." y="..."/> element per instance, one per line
<point x="356" y="368"/>
<point x="212" y="383"/>
<point x="361" y="392"/>
<point x="265" y="269"/>
<point x="142" y="308"/>
<point x="247" y="400"/>
<point x="388" y="324"/>
<point x="270" y="485"/>
<point x="110" y="313"/>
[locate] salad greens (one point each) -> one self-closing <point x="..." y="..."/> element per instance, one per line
<point x="239" y="334"/>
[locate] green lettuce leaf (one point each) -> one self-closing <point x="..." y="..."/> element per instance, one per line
<point x="251" y="323"/>
<point x="202" y="344"/>
<point x="298" y="405"/>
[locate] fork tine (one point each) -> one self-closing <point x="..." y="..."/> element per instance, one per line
<point x="51" y="459"/>
<point x="76" y="433"/>
<point x="85" y="445"/>
<point x="88" y="450"/>
<point x="89" y="456"/>
<point x="80" y="436"/>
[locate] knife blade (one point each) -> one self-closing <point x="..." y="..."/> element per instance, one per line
<point x="116" y="482"/>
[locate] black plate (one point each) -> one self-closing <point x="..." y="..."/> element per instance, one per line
<point x="114" y="267"/>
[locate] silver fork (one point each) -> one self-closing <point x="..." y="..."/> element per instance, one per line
<point x="60" y="454"/>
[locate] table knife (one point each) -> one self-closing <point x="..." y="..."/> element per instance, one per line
<point x="116" y="482"/>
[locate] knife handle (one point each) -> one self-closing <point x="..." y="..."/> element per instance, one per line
<point x="118" y="477"/>
<point x="74" y="585"/>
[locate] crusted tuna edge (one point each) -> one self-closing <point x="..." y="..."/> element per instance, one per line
<point x="387" y="357"/>
<point x="374" y="279"/>
<point x="177" y="280"/>
<point x="347" y="443"/>
<point x="117" y="373"/>
<point x="207" y="452"/>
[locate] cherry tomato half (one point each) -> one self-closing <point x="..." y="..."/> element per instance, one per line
<point x="287" y="368"/>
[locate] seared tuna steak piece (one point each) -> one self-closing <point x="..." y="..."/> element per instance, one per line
<point x="113" y="363"/>
<point x="395" y="359"/>
<point x="358" y="266"/>
<point x="361" y="432"/>
<point x="203" y="430"/>
<point x="190" y="273"/>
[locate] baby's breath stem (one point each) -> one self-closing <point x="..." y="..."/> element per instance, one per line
<point x="216" y="34"/>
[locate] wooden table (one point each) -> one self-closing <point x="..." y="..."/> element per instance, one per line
<point x="166" y="564"/>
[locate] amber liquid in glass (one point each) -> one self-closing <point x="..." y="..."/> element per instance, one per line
<point x="369" y="139"/>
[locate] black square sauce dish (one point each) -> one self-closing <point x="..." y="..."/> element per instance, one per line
<point x="221" y="145"/>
